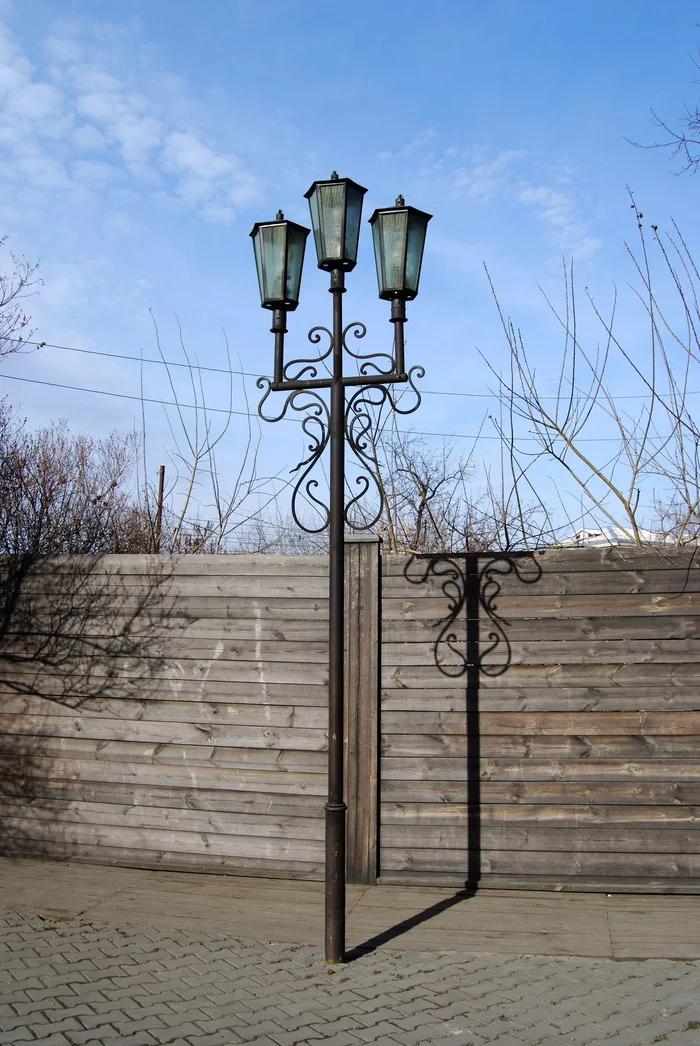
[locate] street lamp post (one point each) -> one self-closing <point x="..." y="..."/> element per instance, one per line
<point x="399" y="238"/>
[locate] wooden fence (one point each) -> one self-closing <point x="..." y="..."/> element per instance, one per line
<point x="168" y="711"/>
<point x="541" y="720"/>
<point x="514" y="721"/>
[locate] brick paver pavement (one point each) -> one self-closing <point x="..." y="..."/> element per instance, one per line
<point x="69" y="983"/>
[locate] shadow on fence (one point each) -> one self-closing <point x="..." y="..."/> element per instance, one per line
<point x="472" y="642"/>
<point x="68" y="631"/>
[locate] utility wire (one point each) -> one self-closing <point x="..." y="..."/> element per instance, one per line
<point x="250" y="414"/>
<point x="250" y="374"/>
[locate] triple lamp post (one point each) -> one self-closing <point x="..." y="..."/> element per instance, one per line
<point x="399" y="238"/>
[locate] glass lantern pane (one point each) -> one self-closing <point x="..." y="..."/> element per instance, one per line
<point x="296" y="240"/>
<point x="352" y="222"/>
<point x="273" y="243"/>
<point x="393" y="249"/>
<point x="377" y="241"/>
<point x="332" y="212"/>
<point x="417" y="227"/>
<point x="257" y="247"/>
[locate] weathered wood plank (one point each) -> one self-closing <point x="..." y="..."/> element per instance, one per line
<point x="180" y="651"/>
<point x="557" y="583"/>
<point x="400" y="629"/>
<point x="80" y="692"/>
<point x="56" y="812"/>
<point x="624" y="884"/>
<point x="173" y="590"/>
<point x="445" y="742"/>
<point x="26" y="749"/>
<point x="287" y="735"/>
<point x="165" y="840"/>
<point x="530" y="605"/>
<point x="598" y="840"/>
<point x="563" y="723"/>
<point x="132" y="713"/>
<point x="93" y="853"/>
<point x="558" y="816"/>
<point x="543" y="699"/>
<point x="523" y="862"/>
<point x="434" y="768"/>
<point x="141" y="775"/>
<point x="146" y="565"/>
<point x="428" y="676"/>
<point x="174" y="672"/>
<point x="613" y="793"/>
<point x="544" y="652"/>
<point x="186" y="797"/>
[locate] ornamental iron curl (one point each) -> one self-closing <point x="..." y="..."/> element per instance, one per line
<point x="316" y="426"/>
<point x="369" y="366"/>
<point x="309" y="368"/>
<point x="363" y="421"/>
<point x="363" y="429"/>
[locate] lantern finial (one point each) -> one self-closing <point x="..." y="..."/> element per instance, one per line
<point x="400" y="202"/>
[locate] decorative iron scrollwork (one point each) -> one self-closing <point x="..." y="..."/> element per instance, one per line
<point x="316" y="426"/>
<point x="309" y="368"/>
<point x="363" y="423"/>
<point x="368" y="362"/>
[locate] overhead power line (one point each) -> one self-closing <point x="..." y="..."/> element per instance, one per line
<point x="251" y="374"/>
<point x="250" y="414"/>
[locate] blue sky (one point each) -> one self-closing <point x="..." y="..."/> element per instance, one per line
<point x="139" y="141"/>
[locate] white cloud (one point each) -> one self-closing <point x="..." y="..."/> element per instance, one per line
<point x="560" y="212"/>
<point x="137" y="123"/>
<point x="483" y="180"/>
<point x="422" y="138"/>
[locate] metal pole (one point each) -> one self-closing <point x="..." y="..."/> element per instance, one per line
<point x="335" y="807"/>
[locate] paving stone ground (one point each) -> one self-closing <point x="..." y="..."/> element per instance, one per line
<point x="71" y="982"/>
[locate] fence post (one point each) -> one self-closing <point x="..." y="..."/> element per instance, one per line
<point x="362" y="633"/>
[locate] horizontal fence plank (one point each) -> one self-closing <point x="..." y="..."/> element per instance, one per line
<point x="83" y="692"/>
<point x="446" y="742"/>
<point x="624" y="884"/>
<point x="400" y="629"/>
<point x="598" y="840"/>
<point x="146" y="565"/>
<point x="559" y="723"/>
<point x="522" y="862"/>
<point x="131" y="714"/>
<point x="541" y="816"/>
<point x="275" y="850"/>
<point x="172" y="673"/>
<point x="143" y="774"/>
<point x="530" y="605"/>
<point x="557" y="652"/>
<point x="190" y="796"/>
<point x="96" y="853"/>
<point x="428" y="676"/>
<point x="25" y="751"/>
<point x="95" y="591"/>
<point x="54" y="811"/>
<point x="432" y="768"/>
<point x="613" y="793"/>
<point x="542" y="699"/>
<point x="181" y="651"/>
